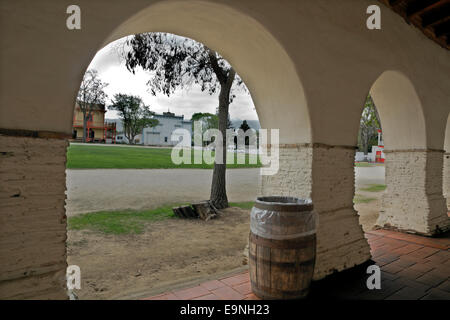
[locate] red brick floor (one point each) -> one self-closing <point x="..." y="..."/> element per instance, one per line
<point x="412" y="267"/>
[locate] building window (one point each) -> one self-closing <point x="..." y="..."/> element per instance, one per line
<point x="165" y="139"/>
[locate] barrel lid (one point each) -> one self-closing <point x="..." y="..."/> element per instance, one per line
<point x="283" y="203"/>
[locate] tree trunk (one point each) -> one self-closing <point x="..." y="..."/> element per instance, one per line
<point x="130" y="138"/>
<point x="366" y="146"/>
<point x="218" y="187"/>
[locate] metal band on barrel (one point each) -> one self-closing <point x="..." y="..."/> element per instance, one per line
<point x="283" y="207"/>
<point x="284" y="236"/>
<point x="284" y="265"/>
<point x="297" y="243"/>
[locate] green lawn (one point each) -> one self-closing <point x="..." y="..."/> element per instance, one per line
<point x="242" y="205"/>
<point x="119" y="222"/>
<point x="114" y="157"/>
<point x="362" y="199"/>
<point x="375" y="188"/>
<point x="128" y="221"/>
<point x="367" y="164"/>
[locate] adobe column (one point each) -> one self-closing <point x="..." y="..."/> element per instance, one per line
<point x="33" y="220"/>
<point x="446" y="177"/>
<point x="325" y="174"/>
<point x="294" y="174"/>
<point x="340" y="238"/>
<point x="413" y="200"/>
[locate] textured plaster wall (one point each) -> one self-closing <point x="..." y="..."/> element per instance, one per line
<point x="294" y="174"/>
<point x="285" y="77"/>
<point x="282" y="52"/>
<point x="413" y="199"/>
<point x="32" y="218"/>
<point x="446" y="178"/>
<point x="340" y="239"/>
<point x="325" y="174"/>
<point x="446" y="174"/>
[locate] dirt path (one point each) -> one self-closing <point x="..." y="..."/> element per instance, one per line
<point x="368" y="212"/>
<point x="167" y="252"/>
<point x="113" y="189"/>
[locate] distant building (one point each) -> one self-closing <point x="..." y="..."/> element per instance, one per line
<point x="377" y="154"/>
<point x="120" y="133"/>
<point x="160" y="135"/>
<point x="96" y="128"/>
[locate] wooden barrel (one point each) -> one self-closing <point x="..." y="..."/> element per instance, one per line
<point x="282" y="247"/>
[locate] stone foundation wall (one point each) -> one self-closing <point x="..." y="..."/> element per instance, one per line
<point x="413" y="200"/>
<point x="446" y="177"/>
<point x="33" y="221"/>
<point x="340" y="239"/>
<point x="294" y="174"/>
<point x="325" y="174"/>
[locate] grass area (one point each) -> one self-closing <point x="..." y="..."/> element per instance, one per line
<point x="375" y="188"/>
<point x="362" y="199"/>
<point x="128" y="221"/>
<point x="114" y="157"/>
<point x="365" y="164"/>
<point x="119" y="222"/>
<point x="242" y="205"/>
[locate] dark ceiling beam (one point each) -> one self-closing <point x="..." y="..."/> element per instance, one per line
<point x="438" y="22"/>
<point x="442" y="28"/>
<point x="430" y="16"/>
<point x="436" y="14"/>
<point x="417" y="6"/>
<point x="393" y="3"/>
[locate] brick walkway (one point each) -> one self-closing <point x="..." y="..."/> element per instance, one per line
<point x="413" y="267"/>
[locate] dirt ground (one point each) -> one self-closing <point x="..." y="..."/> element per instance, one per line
<point x="173" y="251"/>
<point x="169" y="252"/>
<point x="368" y="212"/>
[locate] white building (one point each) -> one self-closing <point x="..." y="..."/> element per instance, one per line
<point x="120" y="135"/>
<point x="160" y="135"/>
<point x="377" y="154"/>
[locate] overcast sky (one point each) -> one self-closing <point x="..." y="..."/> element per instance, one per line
<point x="184" y="102"/>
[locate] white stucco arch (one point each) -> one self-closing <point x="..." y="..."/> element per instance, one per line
<point x="256" y="55"/>
<point x="413" y="199"/>
<point x="400" y="111"/>
<point x="271" y="45"/>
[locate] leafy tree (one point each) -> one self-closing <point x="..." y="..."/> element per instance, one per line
<point x="134" y="113"/>
<point x="244" y="127"/>
<point x="369" y="126"/>
<point x="208" y="120"/>
<point x="179" y="62"/>
<point x="91" y="92"/>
